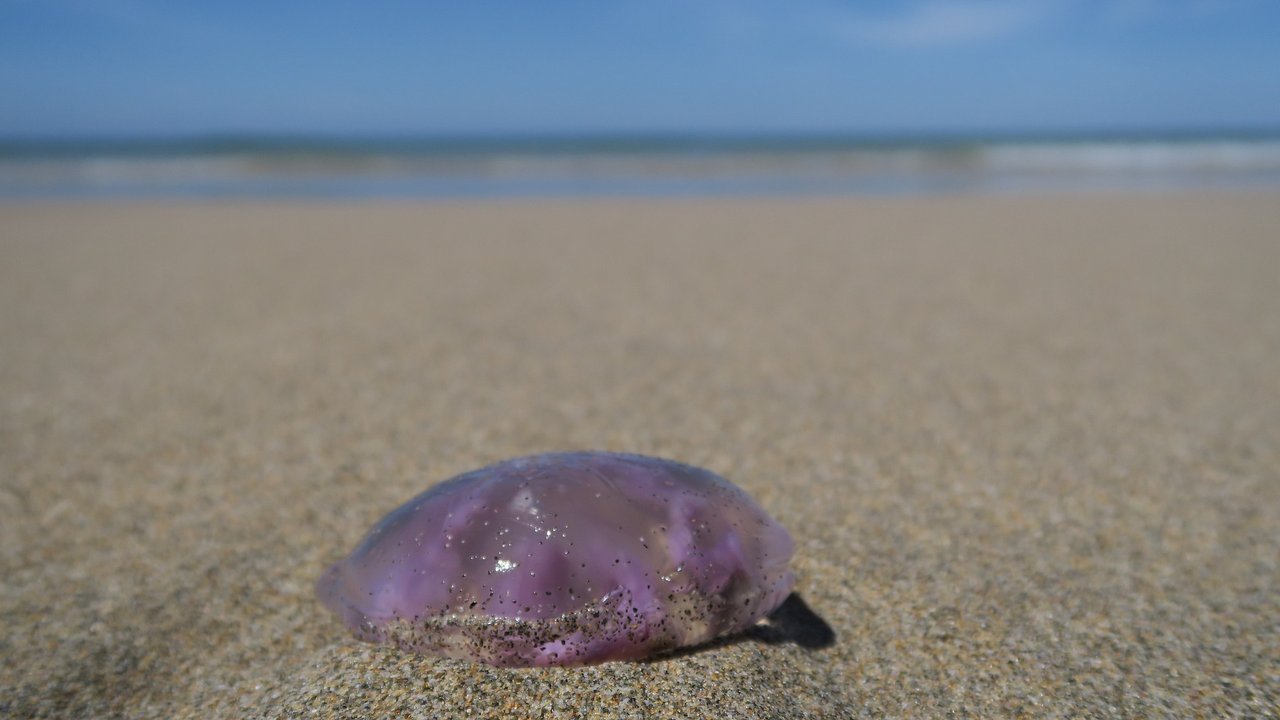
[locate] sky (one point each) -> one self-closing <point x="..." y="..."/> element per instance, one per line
<point x="95" y="68"/>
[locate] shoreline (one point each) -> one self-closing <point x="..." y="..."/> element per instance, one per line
<point x="622" y="167"/>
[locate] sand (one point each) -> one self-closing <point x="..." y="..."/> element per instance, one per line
<point x="1029" y="447"/>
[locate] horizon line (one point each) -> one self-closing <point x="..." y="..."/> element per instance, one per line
<point x="576" y="137"/>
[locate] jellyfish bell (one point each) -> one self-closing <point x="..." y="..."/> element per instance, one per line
<point x="563" y="559"/>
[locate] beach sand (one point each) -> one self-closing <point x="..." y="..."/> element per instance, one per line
<point x="1028" y="447"/>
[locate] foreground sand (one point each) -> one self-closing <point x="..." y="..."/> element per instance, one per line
<point x="1029" y="448"/>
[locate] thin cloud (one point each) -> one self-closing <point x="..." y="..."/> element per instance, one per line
<point x="1127" y="12"/>
<point x="940" y="23"/>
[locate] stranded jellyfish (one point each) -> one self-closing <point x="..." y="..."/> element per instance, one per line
<point x="563" y="559"/>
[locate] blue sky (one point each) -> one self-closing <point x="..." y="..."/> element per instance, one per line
<point x="175" y="67"/>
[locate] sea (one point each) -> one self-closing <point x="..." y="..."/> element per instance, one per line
<point x="251" y="166"/>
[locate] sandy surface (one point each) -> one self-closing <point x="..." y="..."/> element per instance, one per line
<point x="1029" y="448"/>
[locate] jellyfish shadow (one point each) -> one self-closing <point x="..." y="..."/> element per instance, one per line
<point x="794" y="622"/>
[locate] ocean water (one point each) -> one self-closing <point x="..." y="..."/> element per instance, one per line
<point x="629" y="166"/>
